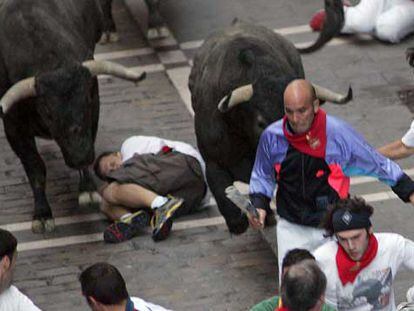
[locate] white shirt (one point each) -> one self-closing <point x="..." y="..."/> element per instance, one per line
<point x="373" y="287"/>
<point x="152" y="144"/>
<point x="142" y="305"/>
<point x="14" y="300"/>
<point x="408" y="138"/>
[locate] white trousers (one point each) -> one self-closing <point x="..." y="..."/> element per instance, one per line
<point x="290" y="236"/>
<point x="388" y="20"/>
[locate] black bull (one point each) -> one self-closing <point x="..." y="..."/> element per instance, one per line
<point x="48" y="87"/>
<point x="237" y="84"/>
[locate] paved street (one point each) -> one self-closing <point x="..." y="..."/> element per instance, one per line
<point x="200" y="267"/>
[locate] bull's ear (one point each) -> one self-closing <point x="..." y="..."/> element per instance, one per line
<point x="247" y="57"/>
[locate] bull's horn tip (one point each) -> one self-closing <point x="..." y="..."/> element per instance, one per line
<point x="350" y="94"/>
<point x="223" y="104"/>
<point x="142" y="76"/>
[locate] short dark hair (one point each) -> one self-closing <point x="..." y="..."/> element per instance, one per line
<point x="96" y="166"/>
<point x="104" y="283"/>
<point x="8" y="244"/>
<point x="355" y="205"/>
<point x="302" y="286"/>
<point x="295" y="256"/>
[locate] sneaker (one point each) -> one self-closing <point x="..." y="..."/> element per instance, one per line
<point x="317" y="20"/>
<point x="161" y="221"/>
<point x="126" y="229"/>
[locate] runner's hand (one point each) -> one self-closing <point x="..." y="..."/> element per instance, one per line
<point x="258" y="223"/>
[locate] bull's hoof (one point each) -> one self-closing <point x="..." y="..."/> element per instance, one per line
<point x="239" y="226"/>
<point x="104" y="39"/>
<point x="163" y="32"/>
<point x="95" y="197"/>
<point x="49" y="225"/>
<point x="38" y="226"/>
<point x="152" y="34"/>
<point x="89" y="198"/>
<point x="113" y="37"/>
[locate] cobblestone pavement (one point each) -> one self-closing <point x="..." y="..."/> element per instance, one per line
<point x="200" y="267"/>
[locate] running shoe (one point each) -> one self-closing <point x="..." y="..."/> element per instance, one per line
<point x="126" y="229"/>
<point x="161" y="221"/>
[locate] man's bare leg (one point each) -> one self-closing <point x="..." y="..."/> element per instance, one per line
<point x="113" y="212"/>
<point x="129" y="195"/>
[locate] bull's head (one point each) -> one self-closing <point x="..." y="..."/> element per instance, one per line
<point x="332" y="26"/>
<point x="263" y="102"/>
<point x="68" y="105"/>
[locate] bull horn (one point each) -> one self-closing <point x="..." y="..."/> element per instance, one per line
<point x="237" y="96"/>
<point x="110" y="68"/>
<point x="327" y="95"/>
<point x="21" y="90"/>
<point x="332" y="26"/>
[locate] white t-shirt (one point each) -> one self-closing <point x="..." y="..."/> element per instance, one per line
<point x="408" y="138"/>
<point x="373" y="287"/>
<point x="152" y="144"/>
<point x="142" y="305"/>
<point x="14" y="300"/>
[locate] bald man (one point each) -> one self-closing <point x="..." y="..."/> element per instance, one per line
<point x="310" y="156"/>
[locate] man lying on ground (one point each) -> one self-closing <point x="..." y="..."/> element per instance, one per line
<point x="149" y="179"/>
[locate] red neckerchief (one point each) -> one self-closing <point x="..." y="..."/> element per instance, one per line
<point x="313" y="142"/>
<point x="348" y="269"/>
<point x="280" y="306"/>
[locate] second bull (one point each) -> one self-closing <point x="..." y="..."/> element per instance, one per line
<point x="237" y="85"/>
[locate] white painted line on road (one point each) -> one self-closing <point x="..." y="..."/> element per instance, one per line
<point x="172" y="57"/>
<point x="169" y="41"/>
<point x="333" y="42"/>
<point x="98" y="237"/>
<point x="293" y="30"/>
<point x="197" y="223"/>
<point x="179" y="78"/>
<point x="190" y="45"/>
<point x="59" y="221"/>
<point x="124" y="53"/>
<point x="69" y="240"/>
<point x="379" y="196"/>
<point x="364" y="180"/>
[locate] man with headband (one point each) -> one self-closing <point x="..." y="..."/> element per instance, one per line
<point x="361" y="266"/>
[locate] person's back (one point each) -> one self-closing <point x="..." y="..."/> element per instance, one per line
<point x="104" y="289"/>
<point x="11" y="299"/>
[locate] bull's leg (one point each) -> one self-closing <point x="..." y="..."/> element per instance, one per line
<point x="87" y="189"/>
<point x="218" y="180"/>
<point x="156" y="24"/>
<point x="25" y="149"/>
<point x="109" y="32"/>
